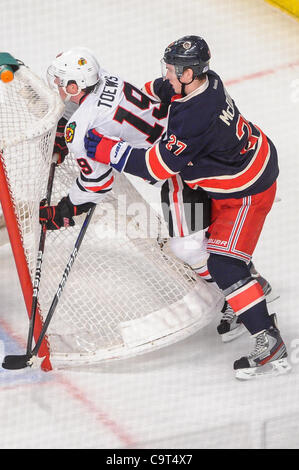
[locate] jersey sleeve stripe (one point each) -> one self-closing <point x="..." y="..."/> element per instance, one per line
<point x="243" y="179"/>
<point x="96" y="189"/>
<point x="155" y="164"/>
<point x="95" y="180"/>
<point x="149" y="89"/>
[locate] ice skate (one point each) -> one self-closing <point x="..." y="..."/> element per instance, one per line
<point x="230" y="326"/>
<point x="269" y="356"/>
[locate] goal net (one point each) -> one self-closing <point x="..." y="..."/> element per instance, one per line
<point x="126" y="293"/>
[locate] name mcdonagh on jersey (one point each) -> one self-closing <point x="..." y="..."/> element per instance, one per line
<point x="109" y="91"/>
<point x="228" y="114"/>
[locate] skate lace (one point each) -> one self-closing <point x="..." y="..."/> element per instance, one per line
<point x="260" y="343"/>
<point x="228" y="313"/>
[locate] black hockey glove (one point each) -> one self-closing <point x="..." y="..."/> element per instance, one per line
<point x="61" y="215"/>
<point x="60" y="146"/>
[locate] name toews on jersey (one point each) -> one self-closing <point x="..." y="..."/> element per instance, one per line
<point x="116" y="109"/>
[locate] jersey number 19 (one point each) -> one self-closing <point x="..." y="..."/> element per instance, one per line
<point x="143" y="102"/>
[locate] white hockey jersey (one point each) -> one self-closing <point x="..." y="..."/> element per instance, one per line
<point x="116" y="109"/>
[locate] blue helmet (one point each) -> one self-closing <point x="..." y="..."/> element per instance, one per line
<point x="188" y="52"/>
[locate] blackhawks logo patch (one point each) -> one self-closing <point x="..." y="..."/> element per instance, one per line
<point x="82" y="61"/>
<point x="70" y="132"/>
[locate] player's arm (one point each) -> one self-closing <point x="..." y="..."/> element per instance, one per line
<point x="60" y="145"/>
<point x="90" y="187"/>
<point x="159" y="162"/>
<point x="94" y="179"/>
<point x="159" y="90"/>
<point x="93" y="182"/>
<point x="61" y="215"/>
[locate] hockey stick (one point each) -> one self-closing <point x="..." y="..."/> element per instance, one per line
<point x="30" y="358"/>
<point x="40" y="254"/>
<point x="41" y="248"/>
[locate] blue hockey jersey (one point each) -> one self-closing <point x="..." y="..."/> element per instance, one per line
<point x="208" y="142"/>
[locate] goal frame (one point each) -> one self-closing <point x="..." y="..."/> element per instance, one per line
<point x="46" y="125"/>
<point x="16" y="244"/>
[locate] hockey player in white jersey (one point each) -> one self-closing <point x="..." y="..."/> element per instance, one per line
<point x="104" y="103"/>
<point x="97" y="101"/>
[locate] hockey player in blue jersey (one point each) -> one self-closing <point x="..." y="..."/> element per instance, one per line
<point x="213" y="148"/>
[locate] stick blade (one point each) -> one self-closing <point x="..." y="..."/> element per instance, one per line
<point x="16" y="362"/>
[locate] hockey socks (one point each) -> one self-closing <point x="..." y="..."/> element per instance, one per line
<point x="243" y="293"/>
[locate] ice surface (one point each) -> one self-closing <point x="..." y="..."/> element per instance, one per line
<point x="183" y="396"/>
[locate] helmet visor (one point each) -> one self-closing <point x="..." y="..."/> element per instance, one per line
<point x="163" y="68"/>
<point x="170" y="71"/>
<point x="53" y="80"/>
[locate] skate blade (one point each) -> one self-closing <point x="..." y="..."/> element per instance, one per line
<point x="279" y="367"/>
<point x="235" y="333"/>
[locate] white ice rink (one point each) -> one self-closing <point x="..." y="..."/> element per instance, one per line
<point x="185" y="395"/>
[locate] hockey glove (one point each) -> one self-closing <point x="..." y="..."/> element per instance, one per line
<point x="61" y="215"/>
<point x="60" y="146"/>
<point x="105" y="150"/>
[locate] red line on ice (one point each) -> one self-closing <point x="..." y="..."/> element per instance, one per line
<point x="261" y="73"/>
<point x="76" y="393"/>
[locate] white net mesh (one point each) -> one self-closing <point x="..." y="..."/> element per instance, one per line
<point x="125" y="294"/>
<point x="28" y="116"/>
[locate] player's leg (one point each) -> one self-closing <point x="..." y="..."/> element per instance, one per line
<point x="187" y="215"/>
<point x="236" y="227"/>
<point x="185" y="211"/>
<point x="230" y="326"/>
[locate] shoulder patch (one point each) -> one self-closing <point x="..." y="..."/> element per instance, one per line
<point x="70" y="132"/>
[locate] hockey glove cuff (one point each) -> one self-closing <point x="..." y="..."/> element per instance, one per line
<point x="105" y="150"/>
<point x="60" y="146"/>
<point x="61" y="215"/>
